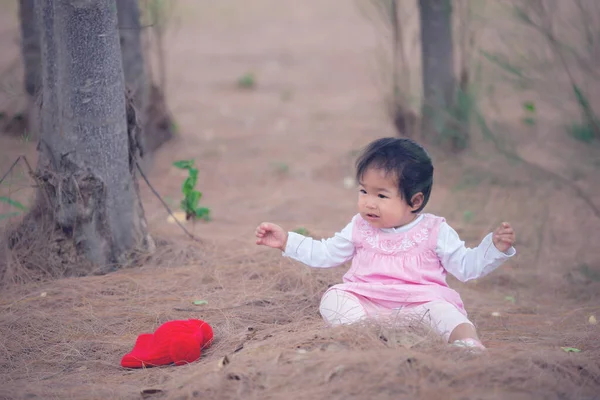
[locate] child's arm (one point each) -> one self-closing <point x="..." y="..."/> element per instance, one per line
<point x="466" y="263"/>
<point x="325" y="253"/>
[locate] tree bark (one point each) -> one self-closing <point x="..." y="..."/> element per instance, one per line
<point x="86" y="153"/>
<point x="148" y="100"/>
<point x="136" y="82"/>
<point x="31" y="56"/>
<point x="30" y="47"/>
<point x="439" y="81"/>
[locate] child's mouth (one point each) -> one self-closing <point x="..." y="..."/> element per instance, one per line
<point x="372" y="216"/>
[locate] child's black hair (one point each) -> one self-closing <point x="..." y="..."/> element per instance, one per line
<point x="404" y="158"/>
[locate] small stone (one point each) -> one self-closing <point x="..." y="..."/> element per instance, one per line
<point x="177" y="215"/>
<point x="349" y="182"/>
<point x="223" y="362"/>
<point x="495" y="314"/>
<point x="592" y="320"/>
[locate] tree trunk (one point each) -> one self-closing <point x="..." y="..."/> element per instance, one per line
<point x="439" y="81"/>
<point x="32" y="63"/>
<point x="136" y="81"/>
<point x="86" y="154"/>
<point x="153" y="116"/>
<point x="30" y="47"/>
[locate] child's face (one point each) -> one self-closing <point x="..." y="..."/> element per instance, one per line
<point x="380" y="202"/>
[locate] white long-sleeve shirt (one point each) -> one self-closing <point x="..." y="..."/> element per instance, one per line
<point x="462" y="262"/>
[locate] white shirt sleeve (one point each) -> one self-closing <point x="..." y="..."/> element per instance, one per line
<point x="323" y="253"/>
<point x="466" y="263"/>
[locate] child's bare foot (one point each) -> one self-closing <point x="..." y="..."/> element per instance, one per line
<point x="470" y="344"/>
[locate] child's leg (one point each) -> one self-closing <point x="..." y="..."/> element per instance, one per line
<point x="340" y="307"/>
<point x="466" y="330"/>
<point x="449" y="322"/>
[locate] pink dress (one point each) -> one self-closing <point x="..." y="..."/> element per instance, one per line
<point x="398" y="269"/>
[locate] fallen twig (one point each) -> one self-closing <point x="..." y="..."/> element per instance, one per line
<point x="10" y="169"/>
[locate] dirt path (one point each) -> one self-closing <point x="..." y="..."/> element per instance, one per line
<point x="281" y="153"/>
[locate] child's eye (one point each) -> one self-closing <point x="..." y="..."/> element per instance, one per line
<point x="363" y="191"/>
<point x="383" y="196"/>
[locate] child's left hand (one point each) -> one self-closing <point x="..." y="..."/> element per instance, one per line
<point x="503" y="237"/>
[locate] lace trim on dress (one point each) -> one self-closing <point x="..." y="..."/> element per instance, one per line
<point x="402" y="243"/>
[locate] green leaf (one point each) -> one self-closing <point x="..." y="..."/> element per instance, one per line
<point x="13" y="203"/>
<point x="522" y="15"/>
<point x="184" y="164"/>
<point x="510" y="298"/>
<point x="468" y="216"/>
<point x="194" y="174"/>
<point x="581" y="98"/>
<point x="529" y="106"/>
<point x="582" y="131"/>
<point x="199" y="302"/>
<point x="203" y="212"/>
<point x="9" y="215"/>
<point x="184" y="206"/>
<point x="528" y="121"/>
<point x="193" y="199"/>
<point x="247" y="81"/>
<point x="190" y="182"/>
<point x="571" y="349"/>
<point x="188" y="186"/>
<point x="301" y="231"/>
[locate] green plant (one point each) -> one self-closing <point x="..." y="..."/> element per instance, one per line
<point x="174" y="127"/>
<point x="247" y="81"/>
<point x="529" y="109"/>
<point x="14" y="204"/>
<point x="563" y="37"/>
<point x="590" y="274"/>
<point x="281" y="167"/>
<point x="582" y="131"/>
<point x="468" y="216"/>
<point x="192" y="197"/>
<point x="590" y="128"/>
<point x="302" y="231"/>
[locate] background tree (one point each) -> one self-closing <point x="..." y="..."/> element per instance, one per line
<point x="445" y="103"/>
<point x="439" y="114"/>
<point x="32" y="63"/>
<point x="136" y="79"/>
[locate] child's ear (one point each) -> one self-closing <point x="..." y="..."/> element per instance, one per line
<point x="417" y="201"/>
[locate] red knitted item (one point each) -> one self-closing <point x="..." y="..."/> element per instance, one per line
<point x="174" y="342"/>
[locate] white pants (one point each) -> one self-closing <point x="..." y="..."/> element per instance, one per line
<point x="340" y="307"/>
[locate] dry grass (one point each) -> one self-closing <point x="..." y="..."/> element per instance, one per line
<point x="266" y="325"/>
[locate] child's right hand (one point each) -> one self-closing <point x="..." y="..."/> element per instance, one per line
<point x="504" y="237"/>
<point x="271" y="235"/>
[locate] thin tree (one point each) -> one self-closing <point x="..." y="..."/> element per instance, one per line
<point x="439" y="78"/>
<point x="136" y="79"/>
<point x="30" y="53"/>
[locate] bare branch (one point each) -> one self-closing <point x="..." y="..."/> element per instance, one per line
<point x="10" y="169"/>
